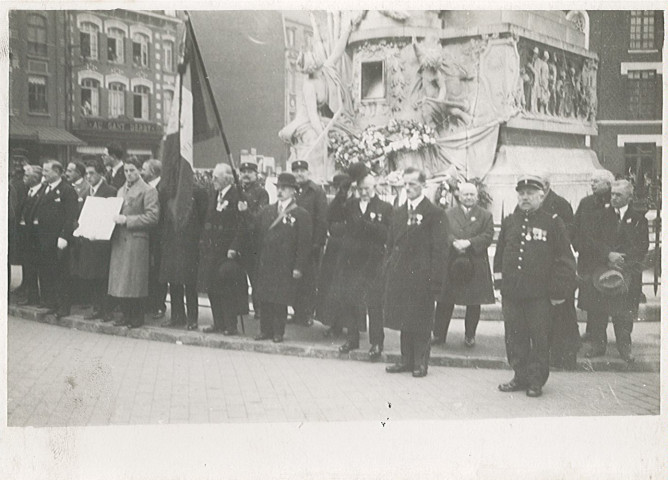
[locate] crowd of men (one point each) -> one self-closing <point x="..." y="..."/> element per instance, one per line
<point x="402" y="267"/>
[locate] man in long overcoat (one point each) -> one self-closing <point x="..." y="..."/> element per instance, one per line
<point x="28" y="243"/>
<point x="619" y="241"/>
<point x="413" y="273"/>
<point x="470" y="233"/>
<point x="222" y="238"/>
<point x="536" y="268"/>
<point x="91" y="258"/>
<point x="284" y="235"/>
<point x="357" y="284"/>
<point x="128" y="267"/>
<point x="589" y="212"/>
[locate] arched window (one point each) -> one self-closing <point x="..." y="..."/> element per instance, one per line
<point x="140" y="49"/>
<point x="141" y="102"/>
<point x="581" y="20"/>
<point x="116" y="99"/>
<point x="115" y="46"/>
<point x="37" y="35"/>
<point x="90" y="97"/>
<point x="88" y="39"/>
<point x="168" y="98"/>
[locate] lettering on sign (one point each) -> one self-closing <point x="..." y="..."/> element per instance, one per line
<point x="120" y="126"/>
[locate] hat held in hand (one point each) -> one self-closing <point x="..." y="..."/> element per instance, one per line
<point x="610" y="282"/>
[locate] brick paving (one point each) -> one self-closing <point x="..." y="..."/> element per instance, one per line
<point x="59" y="376"/>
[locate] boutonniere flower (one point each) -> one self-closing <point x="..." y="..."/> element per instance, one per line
<point x="473" y="219"/>
<point x="372" y="215"/>
<point x="607" y="205"/>
<point x="380" y="217"/>
<point x="289" y="220"/>
<point x="418" y="218"/>
<point x="628" y="220"/>
<point x="222" y="206"/>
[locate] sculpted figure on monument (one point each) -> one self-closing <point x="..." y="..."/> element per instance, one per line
<point x="430" y="86"/>
<point x="552" y="87"/>
<point x="532" y="70"/>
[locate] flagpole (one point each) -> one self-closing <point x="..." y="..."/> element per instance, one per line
<point x="191" y="30"/>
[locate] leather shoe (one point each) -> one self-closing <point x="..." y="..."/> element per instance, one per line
<point x="229" y="333"/>
<point x="347" y="347"/>
<point x="375" y="351"/>
<point x="172" y="324"/>
<point x="262" y="336"/>
<point x="27" y="301"/>
<point x="534" y="392"/>
<point x="278" y="339"/>
<point x="438" y="341"/>
<point x="420" y="371"/>
<point x="135" y="325"/>
<point x="469" y="341"/>
<point x="62" y="313"/>
<point x="570" y="362"/>
<point x="210" y="330"/>
<point x="398" y="368"/>
<point x="512" y="386"/>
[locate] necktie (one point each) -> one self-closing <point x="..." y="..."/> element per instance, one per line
<point x="48" y="189"/>
<point x="618" y="213"/>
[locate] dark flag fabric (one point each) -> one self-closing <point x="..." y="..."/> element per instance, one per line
<point x="192" y="133"/>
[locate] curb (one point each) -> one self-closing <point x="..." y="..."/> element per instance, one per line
<point x="647" y="312"/>
<point x="197" y="338"/>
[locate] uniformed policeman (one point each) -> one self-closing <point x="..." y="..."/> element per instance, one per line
<point x="536" y="268"/>
<point x="312" y="198"/>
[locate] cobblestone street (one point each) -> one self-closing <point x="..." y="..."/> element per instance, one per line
<point x="59" y="376"/>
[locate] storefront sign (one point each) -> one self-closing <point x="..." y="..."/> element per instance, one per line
<point x="120" y="126"/>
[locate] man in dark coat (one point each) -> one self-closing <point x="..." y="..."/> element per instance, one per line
<point x="28" y="241"/>
<point x="18" y="192"/>
<point x="179" y="258"/>
<point x="114" y="163"/>
<point x="56" y="212"/>
<point x="257" y="198"/>
<point x="413" y="273"/>
<point x="470" y="233"/>
<point x="220" y="273"/>
<point x="91" y="258"/>
<point x="284" y="235"/>
<point x="564" y="334"/>
<point x="536" y="268"/>
<point x="312" y="198"/>
<point x="357" y="284"/>
<point x="619" y="241"/>
<point x="587" y="215"/>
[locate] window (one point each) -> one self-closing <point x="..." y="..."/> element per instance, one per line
<point x="37" y="95"/>
<point x="140" y="49"/>
<point x="642" y="30"/>
<point x="37" y="35"/>
<point x="290" y="35"/>
<point x="168" y="51"/>
<point x="140" y="105"/>
<point x="373" y="82"/>
<point x="167" y="103"/>
<point x="115" y="47"/>
<point x="643" y="102"/>
<point x="116" y="99"/>
<point x="641" y="162"/>
<point x="90" y="97"/>
<point x="88" y="40"/>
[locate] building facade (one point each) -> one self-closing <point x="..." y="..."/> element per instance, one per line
<point x="630" y="99"/>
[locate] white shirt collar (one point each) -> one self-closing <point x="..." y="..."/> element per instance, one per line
<point x="283" y="204"/>
<point x="116" y="168"/>
<point x="95" y="188"/>
<point x="78" y="182"/>
<point x="154" y="182"/>
<point x="414" y="203"/>
<point x="34" y="189"/>
<point x="224" y="191"/>
<point x="622" y="210"/>
<point x="55" y="184"/>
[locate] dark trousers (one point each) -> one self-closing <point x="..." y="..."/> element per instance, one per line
<point x="564" y="332"/>
<point x="133" y="311"/>
<point x="272" y="322"/>
<point x="527" y="323"/>
<point x="98" y="288"/>
<point x="356" y="317"/>
<point x="443" y="315"/>
<point x="305" y="303"/>
<point x="178" y="308"/>
<point x="54" y="278"/>
<point x="29" y="283"/>
<point x="623" y="325"/>
<point x="415" y="348"/>
<point x="250" y="272"/>
<point x="222" y="320"/>
<point x="157" y="291"/>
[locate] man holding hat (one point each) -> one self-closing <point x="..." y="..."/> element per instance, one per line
<point x="616" y="251"/>
<point x="284" y="233"/>
<point x="312" y="198"/>
<point x="257" y="198"/>
<point x="536" y="268"/>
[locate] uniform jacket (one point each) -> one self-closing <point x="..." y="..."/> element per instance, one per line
<point x="478" y="227"/>
<point x="556" y="204"/>
<point x="282" y="248"/>
<point x="629" y="236"/>
<point x="312" y="198"/>
<point x="414" y="267"/>
<point x="55" y="214"/>
<point x="90" y="259"/>
<point x="534" y="256"/>
<point x="179" y="254"/>
<point x="257" y="198"/>
<point x="128" y="268"/>
<point x="357" y="278"/>
<point x="223" y="230"/>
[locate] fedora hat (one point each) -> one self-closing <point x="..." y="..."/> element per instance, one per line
<point x="610" y="282"/>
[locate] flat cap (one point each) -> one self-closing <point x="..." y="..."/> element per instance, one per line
<point x="530" y="181"/>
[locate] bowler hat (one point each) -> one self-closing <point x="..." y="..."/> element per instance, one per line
<point x="610" y="282"/>
<point x="286" y="180"/>
<point x="341" y="179"/>
<point x="461" y="268"/>
<point x="530" y="181"/>
<point x="299" y="164"/>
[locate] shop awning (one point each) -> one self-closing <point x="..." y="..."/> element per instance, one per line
<point x="19" y="131"/>
<point x="45" y="135"/>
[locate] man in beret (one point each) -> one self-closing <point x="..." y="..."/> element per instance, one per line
<point x="312" y="198"/>
<point x="619" y="241"/>
<point x="284" y="234"/>
<point x="535" y="267"/>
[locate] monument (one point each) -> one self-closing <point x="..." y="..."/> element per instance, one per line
<point x="483" y="95"/>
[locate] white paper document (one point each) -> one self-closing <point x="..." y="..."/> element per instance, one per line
<point x="96" y="221"/>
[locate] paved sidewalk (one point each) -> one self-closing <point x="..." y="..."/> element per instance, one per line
<point x="58" y="376"/>
<point x="489" y="351"/>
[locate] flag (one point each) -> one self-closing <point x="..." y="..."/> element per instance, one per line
<point x="192" y="133"/>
